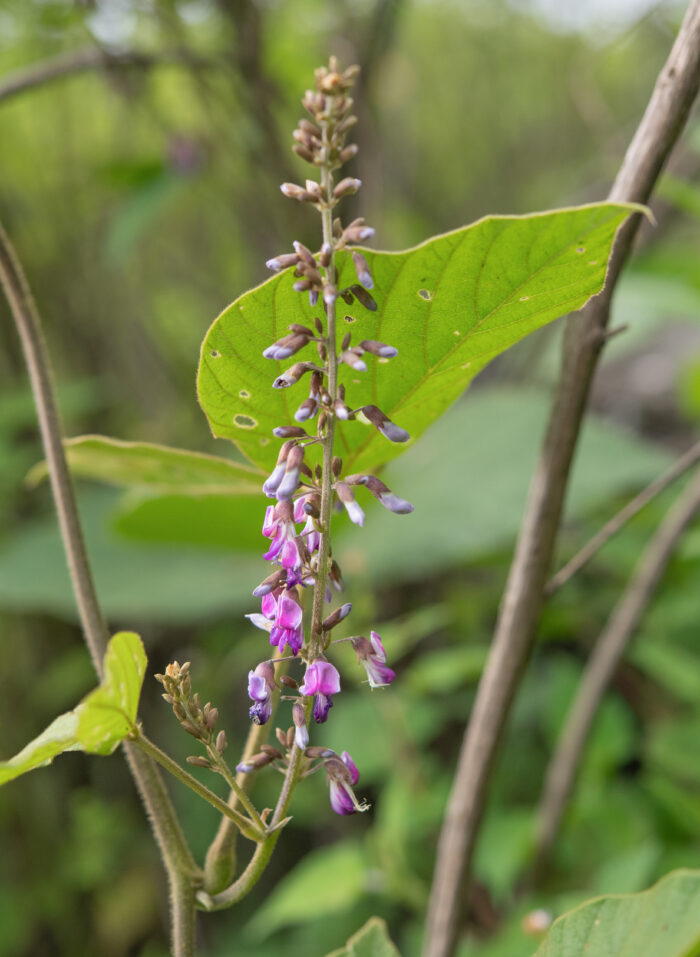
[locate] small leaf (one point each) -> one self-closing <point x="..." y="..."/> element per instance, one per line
<point x="100" y="721"/>
<point x="155" y="467"/>
<point x="372" y="940"/>
<point x="108" y="713"/>
<point x="663" y="921"/>
<point x="449" y="305"/>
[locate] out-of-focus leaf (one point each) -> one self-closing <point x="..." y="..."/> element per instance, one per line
<point x="327" y="880"/>
<point x="445" y="670"/>
<point x="372" y="940"/>
<point x="155" y="467"/>
<point x="100" y="721"/>
<point x="628" y="871"/>
<point x="663" y="921"/>
<point x="135" y="582"/>
<point x="671" y="745"/>
<point x="503" y="850"/>
<point x="449" y="305"/>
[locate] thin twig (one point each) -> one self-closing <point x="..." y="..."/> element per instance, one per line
<point x="608" y="651"/>
<point x="91" y="58"/>
<point x="179" y="863"/>
<point x="663" y="121"/>
<point x="617" y="522"/>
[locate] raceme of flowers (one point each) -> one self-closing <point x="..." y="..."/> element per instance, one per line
<point x="297" y="524"/>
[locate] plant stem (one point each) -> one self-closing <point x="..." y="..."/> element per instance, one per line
<point x="617" y="522"/>
<point x="663" y="121"/>
<point x="226" y="773"/>
<point x="153" y="751"/>
<point x="258" y="862"/>
<point x="179" y="864"/>
<point x="324" y="551"/>
<point x="561" y="773"/>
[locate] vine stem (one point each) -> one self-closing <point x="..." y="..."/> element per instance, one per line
<point x="617" y="522"/>
<point x="561" y="773"/>
<point x="179" y="864"/>
<point x="660" y="127"/>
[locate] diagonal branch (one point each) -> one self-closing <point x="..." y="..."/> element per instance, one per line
<point x="660" y="127"/>
<point x="618" y="522"/>
<point x="91" y="58"/>
<point x="610" y="647"/>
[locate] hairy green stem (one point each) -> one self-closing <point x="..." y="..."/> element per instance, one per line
<point x="247" y="827"/>
<point x="177" y="859"/>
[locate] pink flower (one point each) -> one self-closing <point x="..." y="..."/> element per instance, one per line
<point x="321" y="679"/>
<point x="342" y="776"/>
<point x="287" y="629"/>
<point x="372" y="657"/>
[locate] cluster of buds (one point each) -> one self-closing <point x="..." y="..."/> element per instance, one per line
<point x="197" y="719"/>
<point x="297" y="525"/>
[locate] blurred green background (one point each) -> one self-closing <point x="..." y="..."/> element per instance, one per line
<point x="142" y="199"/>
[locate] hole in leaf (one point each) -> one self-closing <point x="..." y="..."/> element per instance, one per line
<point x="264" y="440"/>
<point x="349" y="318"/>
<point x="243" y="394"/>
<point x="593" y="262"/>
<point x="581" y="249"/>
<point x="524" y="298"/>
<point x="244" y="422"/>
<point x="425" y="294"/>
<point x="457" y="332"/>
<point x="214" y="354"/>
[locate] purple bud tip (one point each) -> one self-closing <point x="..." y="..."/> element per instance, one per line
<point x="273" y="264"/>
<point x="302" y="414"/>
<point x="366" y="280"/>
<point x="244" y="768"/>
<point x="366" y="233"/>
<point x="394" y="432"/>
<point x="388" y="352"/>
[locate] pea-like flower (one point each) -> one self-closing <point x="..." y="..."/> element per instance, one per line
<point x="342" y="775"/>
<point x="287" y="629"/>
<point x="261" y="684"/>
<point x="372" y="657"/>
<point x="322" y="680"/>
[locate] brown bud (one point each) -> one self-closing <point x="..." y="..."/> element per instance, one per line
<point x="211" y="718"/>
<point x="289" y="431"/>
<point x="191" y="728"/>
<point x="346" y="187"/>
<point x="304" y="152"/>
<point x="316" y="751"/>
<point x="289" y="682"/>
<point x="319" y="325"/>
<point x="348" y="152"/>
<point x="347" y="338"/>
<point x="336" y="465"/>
<point x="198" y="762"/>
<point x="221" y="742"/>
<point x="363" y="297"/>
<point x="269" y="749"/>
<point x="281" y="737"/>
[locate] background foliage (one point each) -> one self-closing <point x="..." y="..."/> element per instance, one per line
<point x="142" y="202"/>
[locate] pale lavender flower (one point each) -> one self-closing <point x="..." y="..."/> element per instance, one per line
<point x="261" y="684"/>
<point x="372" y="657"/>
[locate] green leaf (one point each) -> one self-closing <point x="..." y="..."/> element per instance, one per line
<point x="155" y="467"/>
<point x="328" y="880"/>
<point x="449" y="305"/>
<point x="101" y="720"/>
<point x="372" y="940"/>
<point x="663" y="921"/>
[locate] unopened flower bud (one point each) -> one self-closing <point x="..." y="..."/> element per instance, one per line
<point x="301" y="735"/>
<point x="290" y="481"/>
<point x="289" y="682"/>
<point x="346" y="187"/>
<point x="292" y="191"/>
<point x="305" y="154"/>
<point x="383" y="494"/>
<point x="384" y="424"/>
<point x="269" y="584"/>
<point x="290" y="432"/>
<point x="336" y="465"/>
<point x="287" y="345"/>
<point x="362" y="269"/>
<point x="345" y="494"/>
<point x="304" y="253"/>
<point x="284" y="261"/>
<point x="337" y="616"/>
<point x="272" y="482"/>
<point x="330" y="294"/>
<point x="325" y="254"/>
<point x="307" y="410"/>
<point x="363" y="297"/>
<point x="221" y="742"/>
<point x="353" y="358"/>
<point x="272" y="751"/>
<point x="347" y="154"/>
<point x="198" y="762"/>
<point x="292" y="375"/>
<point x="379" y="348"/>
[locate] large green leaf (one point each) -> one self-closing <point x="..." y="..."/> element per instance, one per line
<point x="372" y="940"/>
<point x="663" y="921"/>
<point x="449" y="305"/>
<point x="101" y="720"/>
<point x="155" y="467"/>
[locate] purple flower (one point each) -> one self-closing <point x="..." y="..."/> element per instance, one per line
<point x="261" y="684"/>
<point x="342" y="776"/>
<point x="287" y="629"/>
<point x="372" y="657"/>
<point x="321" y="679"/>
